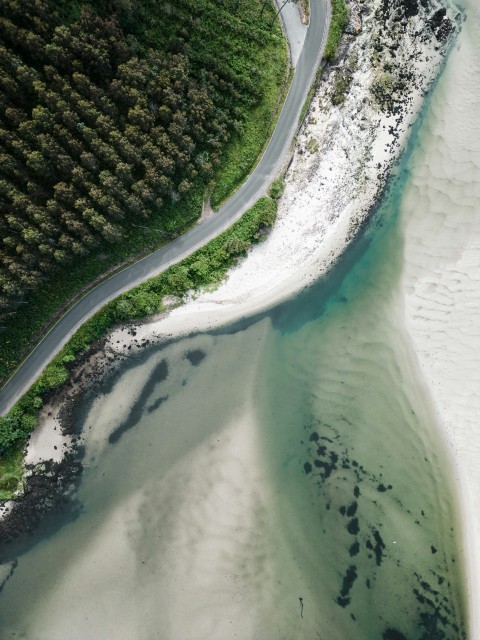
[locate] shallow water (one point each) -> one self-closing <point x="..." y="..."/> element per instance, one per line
<point x="279" y="479"/>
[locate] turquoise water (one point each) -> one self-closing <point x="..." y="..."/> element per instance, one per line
<point x="280" y="478"/>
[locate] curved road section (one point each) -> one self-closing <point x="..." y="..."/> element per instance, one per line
<point x="253" y="188"/>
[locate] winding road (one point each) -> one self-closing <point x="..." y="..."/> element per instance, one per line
<point x="253" y="188"/>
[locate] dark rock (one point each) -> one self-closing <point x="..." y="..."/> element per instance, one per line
<point x="378" y="548"/>
<point x="156" y="404"/>
<point x="348" y="581"/>
<point x="353" y="527"/>
<point x="393" y="634"/>
<point x="354" y="549"/>
<point x="195" y="356"/>
<point x="47" y="494"/>
<point x="354" y="26"/>
<point x="352" y="510"/>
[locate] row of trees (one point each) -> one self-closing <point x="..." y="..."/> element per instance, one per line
<point x="98" y="131"/>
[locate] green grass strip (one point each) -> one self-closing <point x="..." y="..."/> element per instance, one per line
<point x="246" y="146"/>
<point x="338" y="23"/>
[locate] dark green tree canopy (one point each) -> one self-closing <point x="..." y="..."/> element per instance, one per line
<point x="107" y="117"/>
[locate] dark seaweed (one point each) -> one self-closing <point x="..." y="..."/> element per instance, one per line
<point x="195" y="356"/>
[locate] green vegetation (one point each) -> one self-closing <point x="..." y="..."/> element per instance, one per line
<point x="11" y="472"/>
<point x="387" y="89"/>
<point x="114" y="118"/>
<point x="306" y="7"/>
<point x="308" y="100"/>
<point x="341" y="87"/>
<point x="276" y="188"/>
<point x="338" y="24"/>
<point x="206" y="266"/>
<point x="312" y="145"/>
<point x="247" y="143"/>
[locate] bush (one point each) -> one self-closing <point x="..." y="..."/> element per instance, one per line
<point x="277" y="188"/>
<point x="10" y="432"/>
<point x="234" y="246"/>
<point x="342" y="84"/>
<point x="54" y="375"/>
<point x="11" y="472"/>
<point x="178" y="280"/>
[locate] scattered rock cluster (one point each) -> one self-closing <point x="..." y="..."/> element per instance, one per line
<point x="367" y="100"/>
<point x="335" y="472"/>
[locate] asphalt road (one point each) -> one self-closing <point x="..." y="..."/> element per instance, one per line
<point x="254" y="187"/>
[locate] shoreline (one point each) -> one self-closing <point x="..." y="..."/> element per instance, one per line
<point x="319" y="215"/>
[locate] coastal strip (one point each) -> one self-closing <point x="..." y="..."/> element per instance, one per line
<point x="366" y="102"/>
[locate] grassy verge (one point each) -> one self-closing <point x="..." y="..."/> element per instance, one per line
<point x="339" y="21"/>
<point x="21" y="332"/>
<point x="308" y="100"/>
<point x="305" y="7"/>
<point x="206" y="266"/>
<point x="11" y="472"/>
<point x="338" y="24"/>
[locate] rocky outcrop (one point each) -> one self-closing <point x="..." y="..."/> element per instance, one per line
<point x="354" y="26"/>
<point x="366" y="103"/>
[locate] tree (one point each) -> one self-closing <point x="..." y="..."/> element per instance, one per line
<point x="97" y="129"/>
<point x="179" y="280"/>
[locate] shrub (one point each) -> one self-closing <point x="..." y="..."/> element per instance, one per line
<point x="277" y="188"/>
<point x="234" y="246"/>
<point x="178" y="280"/>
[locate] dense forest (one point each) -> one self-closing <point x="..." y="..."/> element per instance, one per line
<point x="112" y="114"/>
